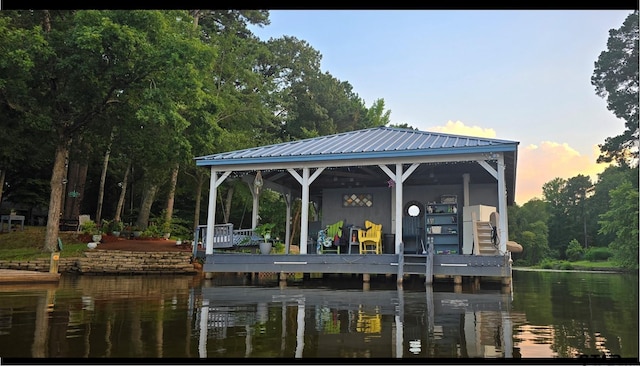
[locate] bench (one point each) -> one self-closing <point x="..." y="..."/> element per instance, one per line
<point x="225" y="237"/>
<point x="68" y="225"/>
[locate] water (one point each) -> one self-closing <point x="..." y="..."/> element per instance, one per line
<point x="548" y="314"/>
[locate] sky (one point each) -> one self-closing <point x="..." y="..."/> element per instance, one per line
<point x="519" y="75"/>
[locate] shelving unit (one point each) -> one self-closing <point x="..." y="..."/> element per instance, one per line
<point x="441" y="226"/>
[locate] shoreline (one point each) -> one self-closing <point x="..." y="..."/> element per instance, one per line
<point x="603" y="270"/>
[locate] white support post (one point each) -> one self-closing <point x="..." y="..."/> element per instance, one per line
<point x="399" y="178"/>
<point x="300" y="330"/>
<point x="287" y="229"/>
<point x="204" y="320"/>
<point x="255" y="207"/>
<point x="305" y="181"/>
<point x="465" y="189"/>
<point x="502" y="205"/>
<point x="211" y="210"/>
<point x="304" y="212"/>
<point x="398" y="207"/>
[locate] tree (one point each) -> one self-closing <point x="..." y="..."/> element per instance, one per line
<point x="378" y="116"/>
<point x="615" y="78"/>
<point x="553" y="194"/>
<point x="622" y="219"/>
<point x="88" y="62"/>
<point x="611" y="178"/>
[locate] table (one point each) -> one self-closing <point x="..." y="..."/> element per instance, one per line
<point x="353" y="238"/>
<point x="9" y="219"/>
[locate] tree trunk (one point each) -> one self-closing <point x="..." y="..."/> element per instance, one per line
<point x="82" y="182"/>
<point x="227" y="206"/>
<point x="71" y="175"/>
<point x="76" y="180"/>
<point x="145" y="209"/>
<point x="55" y="199"/>
<point x="172" y="194"/>
<point x="199" y="183"/>
<point x="2" y="175"/>
<point x="123" y="194"/>
<point x="103" y="178"/>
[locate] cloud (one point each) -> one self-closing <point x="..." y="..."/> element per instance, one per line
<point x="458" y="128"/>
<point x="537" y="164"/>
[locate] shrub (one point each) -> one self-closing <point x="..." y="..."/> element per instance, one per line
<point x="152" y="231"/>
<point x="574" y="251"/>
<point x="595" y="254"/>
<point x="546" y="263"/>
<point x="89" y="227"/>
<point x="565" y="265"/>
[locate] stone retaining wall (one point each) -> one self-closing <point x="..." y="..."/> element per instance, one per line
<point x="113" y="262"/>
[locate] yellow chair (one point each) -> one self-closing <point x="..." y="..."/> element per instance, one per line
<point x="370" y="238"/>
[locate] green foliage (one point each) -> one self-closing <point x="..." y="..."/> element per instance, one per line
<point x="547" y="263"/>
<point x="89" y="228"/>
<point x="115" y="225"/>
<point x="564" y="265"/>
<point x="272" y="207"/>
<point x="278" y="247"/>
<point x="534" y="243"/>
<point x="265" y="228"/>
<point x="615" y="78"/>
<point x="574" y="251"/>
<point x="622" y="219"/>
<point x="569" y="210"/>
<point x="152" y="231"/>
<point x="595" y="254"/>
<point x="181" y="228"/>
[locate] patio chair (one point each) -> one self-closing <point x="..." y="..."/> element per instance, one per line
<point x="329" y="239"/>
<point x="370" y="238"/>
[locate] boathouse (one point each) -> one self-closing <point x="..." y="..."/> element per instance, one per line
<point x="439" y="201"/>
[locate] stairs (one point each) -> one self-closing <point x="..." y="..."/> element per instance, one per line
<point x="482" y="244"/>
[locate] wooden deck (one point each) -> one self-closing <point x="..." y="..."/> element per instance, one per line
<point x="429" y="265"/>
<point x="14" y="276"/>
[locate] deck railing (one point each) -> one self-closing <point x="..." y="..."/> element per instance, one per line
<point x="225" y="237"/>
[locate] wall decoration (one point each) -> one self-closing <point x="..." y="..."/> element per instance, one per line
<point x="357" y="200"/>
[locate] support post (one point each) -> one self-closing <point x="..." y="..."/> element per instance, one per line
<point x="400" y="276"/>
<point x="429" y="270"/>
<point x="53" y="265"/>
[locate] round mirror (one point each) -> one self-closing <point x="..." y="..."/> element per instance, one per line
<point x="414" y="210"/>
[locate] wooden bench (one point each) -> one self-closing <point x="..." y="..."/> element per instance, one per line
<point x="225" y="237"/>
<point x="68" y="225"/>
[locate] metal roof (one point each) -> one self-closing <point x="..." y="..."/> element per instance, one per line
<point x="389" y="142"/>
<point x="446" y="156"/>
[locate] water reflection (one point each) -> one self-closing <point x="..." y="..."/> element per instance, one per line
<point x="357" y="323"/>
<point x="234" y="317"/>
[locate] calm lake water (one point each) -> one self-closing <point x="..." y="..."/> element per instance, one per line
<point x="548" y="314"/>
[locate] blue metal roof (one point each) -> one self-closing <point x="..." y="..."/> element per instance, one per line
<point x="361" y="144"/>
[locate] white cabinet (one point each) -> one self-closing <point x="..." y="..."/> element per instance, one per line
<point x="481" y="213"/>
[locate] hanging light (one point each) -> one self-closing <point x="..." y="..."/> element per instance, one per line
<point x="258" y="183"/>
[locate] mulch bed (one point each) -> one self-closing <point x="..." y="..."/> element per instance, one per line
<point x="142" y="245"/>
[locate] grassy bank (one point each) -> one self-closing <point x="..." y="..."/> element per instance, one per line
<point x="29" y="244"/>
<point x="583" y="265"/>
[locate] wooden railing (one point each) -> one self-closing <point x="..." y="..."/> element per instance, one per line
<point x="225" y="237"/>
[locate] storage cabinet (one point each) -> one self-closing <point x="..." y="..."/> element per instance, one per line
<point x="441" y="227"/>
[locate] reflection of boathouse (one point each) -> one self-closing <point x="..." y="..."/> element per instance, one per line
<point x="378" y="175"/>
<point x="325" y="323"/>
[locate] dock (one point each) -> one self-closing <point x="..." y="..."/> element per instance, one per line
<point x="14" y="276"/>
